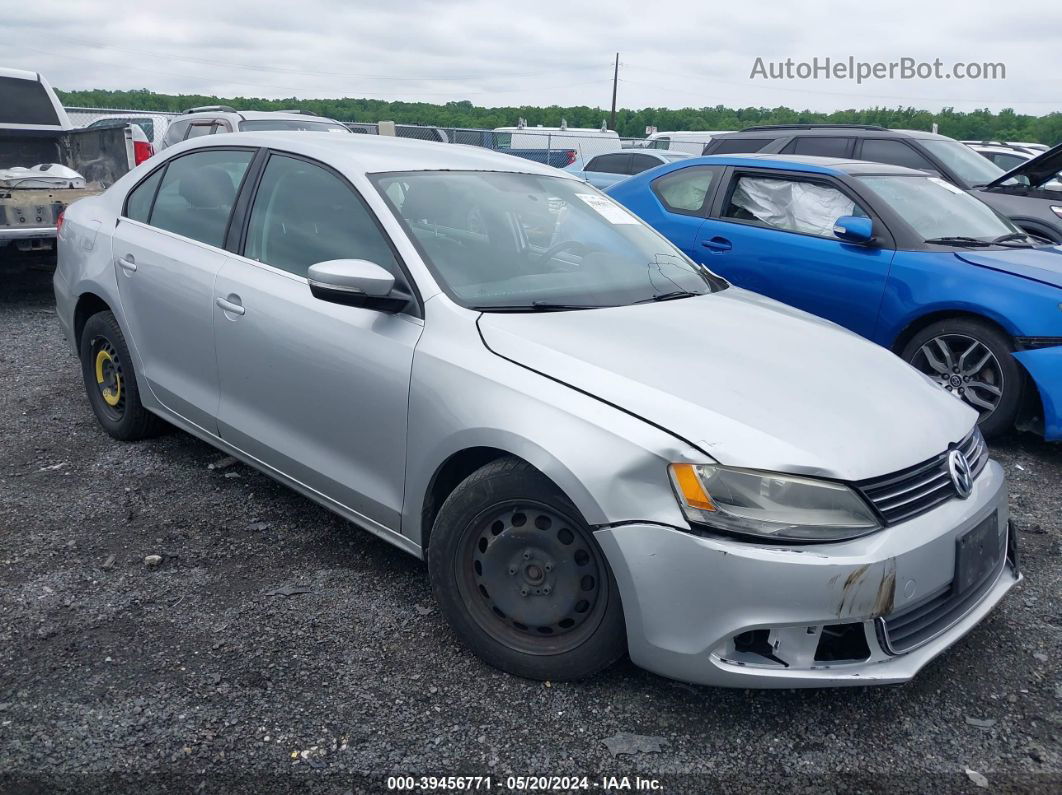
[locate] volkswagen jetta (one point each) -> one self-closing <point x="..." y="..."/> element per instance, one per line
<point x="596" y="444"/>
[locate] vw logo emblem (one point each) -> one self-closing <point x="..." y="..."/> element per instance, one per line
<point x="961" y="476"/>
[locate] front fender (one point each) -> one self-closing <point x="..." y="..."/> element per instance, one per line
<point x="1044" y="365"/>
<point x="612" y="465"/>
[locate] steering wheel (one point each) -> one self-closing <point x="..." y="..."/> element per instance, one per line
<point x="564" y="245"/>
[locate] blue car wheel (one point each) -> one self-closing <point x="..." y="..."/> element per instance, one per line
<point x="972" y="361"/>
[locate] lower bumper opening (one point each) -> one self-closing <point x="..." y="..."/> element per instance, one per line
<point x="800" y="647"/>
<point x="843" y="643"/>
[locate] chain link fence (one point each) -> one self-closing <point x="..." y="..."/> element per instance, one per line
<point x="559" y="147"/>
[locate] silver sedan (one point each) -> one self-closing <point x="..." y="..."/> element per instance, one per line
<point x="597" y="446"/>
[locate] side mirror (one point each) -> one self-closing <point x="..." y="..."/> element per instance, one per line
<point x="854" y="229"/>
<point x="356" y="282"/>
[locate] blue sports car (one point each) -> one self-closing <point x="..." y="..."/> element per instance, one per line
<point x="902" y="257"/>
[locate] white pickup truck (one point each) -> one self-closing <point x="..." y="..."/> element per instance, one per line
<point x="46" y="163"/>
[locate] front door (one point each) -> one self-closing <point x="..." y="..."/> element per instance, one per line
<point x="314" y="389"/>
<point x="167" y="251"/>
<point x="773" y="234"/>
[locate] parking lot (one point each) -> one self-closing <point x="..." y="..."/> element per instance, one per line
<point x="275" y="643"/>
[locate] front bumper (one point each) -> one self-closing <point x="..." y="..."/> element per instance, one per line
<point x="687" y="597"/>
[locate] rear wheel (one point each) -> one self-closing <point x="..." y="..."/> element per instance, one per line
<point x="972" y="361"/>
<point x="110" y="381"/>
<point x="520" y="578"/>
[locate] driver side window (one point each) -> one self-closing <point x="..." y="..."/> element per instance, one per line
<point x="304" y="214"/>
<point x="789" y="205"/>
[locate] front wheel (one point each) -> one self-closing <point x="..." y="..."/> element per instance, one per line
<point x="972" y="361"/>
<point x="521" y="580"/>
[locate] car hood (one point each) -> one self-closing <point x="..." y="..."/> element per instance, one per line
<point x="749" y="381"/>
<point x="1043" y="264"/>
<point x="1042" y="168"/>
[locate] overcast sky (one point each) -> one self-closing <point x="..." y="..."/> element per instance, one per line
<point x="677" y="54"/>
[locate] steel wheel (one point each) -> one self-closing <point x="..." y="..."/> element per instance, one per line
<point x="531" y="578"/>
<point x="966" y="368"/>
<point x="107" y="367"/>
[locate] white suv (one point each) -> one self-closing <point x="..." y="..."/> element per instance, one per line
<point x="212" y="119"/>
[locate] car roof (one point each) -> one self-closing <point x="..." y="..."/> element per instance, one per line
<point x="19" y="74"/>
<point x="370" y="154"/>
<point x="253" y="115"/>
<point x="867" y="131"/>
<point x="1002" y="150"/>
<point x="835" y="166"/>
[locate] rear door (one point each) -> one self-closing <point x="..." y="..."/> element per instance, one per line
<point x="772" y="232"/>
<point x="168" y="249"/>
<point x="679" y="204"/>
<point x="314" y="389"/>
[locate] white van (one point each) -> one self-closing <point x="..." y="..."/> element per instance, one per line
<point x="586" y="141"/>
<point x="689" y="141"/>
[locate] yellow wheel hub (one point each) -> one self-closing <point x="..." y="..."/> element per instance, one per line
<point x="107" y="371"/>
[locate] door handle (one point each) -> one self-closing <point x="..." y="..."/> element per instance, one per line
<point x="127" y="263"/>
<point x="718" y="244"/>
<point x="233" y="307"/>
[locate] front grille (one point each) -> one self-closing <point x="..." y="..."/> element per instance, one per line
<point x="907" y="629"/>
<point x="915" y="490"/>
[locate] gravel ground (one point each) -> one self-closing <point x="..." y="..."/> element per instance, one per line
<point x="198" y="675"/>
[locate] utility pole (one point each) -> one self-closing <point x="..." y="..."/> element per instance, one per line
<point x="615" y="80"/>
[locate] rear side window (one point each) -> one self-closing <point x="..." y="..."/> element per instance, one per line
<point x="197" y="194"/>
<point x="684" y="191"/>
<point x="196" y="130"/>
<point x="25" y="102"/>
<point x="138" y="204"/>
<point x="819" y="146"/>
<point x="175" y="132"/>
<point x="640" y="163"/>
<point x="304" y="214"/>
<point x="893" y="152"/>
<point x="1007" y="162"/>
<point x="609" y="164"/>
<point x="732" y="146"/>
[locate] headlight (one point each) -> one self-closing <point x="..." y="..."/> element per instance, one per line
<point x="766" y="505"/>
<point x="1056" y="210"/>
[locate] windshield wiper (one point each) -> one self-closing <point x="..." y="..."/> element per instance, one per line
<point x="670" y="296"/>
<point x="1013" y="237"/>
<point x="538" y="306"/>
<point x="958" y="240"/>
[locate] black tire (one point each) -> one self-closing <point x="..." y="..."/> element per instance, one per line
<point x="110" y="381"/>
<point x="975" y="385"/>
<point x="505" y="516"/>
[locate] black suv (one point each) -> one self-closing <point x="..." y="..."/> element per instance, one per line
<point x="936" y="154"/>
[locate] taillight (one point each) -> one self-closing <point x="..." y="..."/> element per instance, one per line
<point x="142" y="150"/>
<point x="571" y="156"/>
<point x="59" y="222"/>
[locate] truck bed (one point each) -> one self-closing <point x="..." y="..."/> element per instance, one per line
<point x="28" y="215"/>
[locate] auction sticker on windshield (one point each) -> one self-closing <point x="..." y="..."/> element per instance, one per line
<point x="609" y="211"/>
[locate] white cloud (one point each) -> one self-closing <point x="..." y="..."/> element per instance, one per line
<point x="684" y="53"/>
